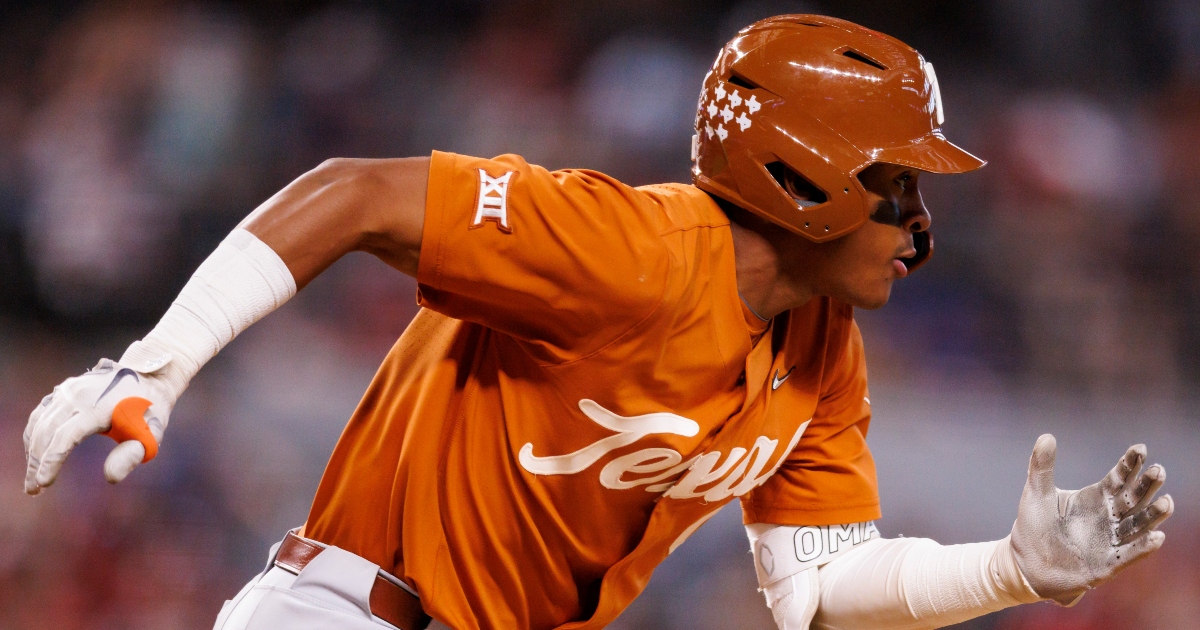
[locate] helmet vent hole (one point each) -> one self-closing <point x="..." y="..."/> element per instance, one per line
<point x="857" y="56"/>
<point x="742" y="81"/>
<point x="802" y="191"/>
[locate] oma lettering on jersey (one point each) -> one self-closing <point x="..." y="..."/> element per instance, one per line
<point x="663" y="470"/>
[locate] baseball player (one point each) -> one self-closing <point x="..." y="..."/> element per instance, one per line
<point x="598" y="369"/>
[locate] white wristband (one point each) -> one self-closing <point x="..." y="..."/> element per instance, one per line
<point x="782" y="550"/>
<point x="242" y="281"/>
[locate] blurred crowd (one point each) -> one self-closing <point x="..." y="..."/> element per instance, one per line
<point x="135" y="134"/>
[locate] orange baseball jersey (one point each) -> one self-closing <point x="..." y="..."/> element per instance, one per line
<point x="582" y="390"/>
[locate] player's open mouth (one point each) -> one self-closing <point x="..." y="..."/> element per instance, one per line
<point x="900" y="264"/>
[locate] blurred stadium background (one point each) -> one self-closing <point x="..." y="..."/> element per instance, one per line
<point x="133" y="135"/>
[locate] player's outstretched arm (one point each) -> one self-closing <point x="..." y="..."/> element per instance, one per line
<point x="341" y="206"/>
<point x="1062" y="544"/>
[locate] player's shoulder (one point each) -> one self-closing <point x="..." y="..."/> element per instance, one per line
<point x="675" y="206"/>
<point x="664" y="208"/>
<point x="686" y="206"/>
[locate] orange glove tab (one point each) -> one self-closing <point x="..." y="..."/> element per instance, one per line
<point x="129" y="423"/>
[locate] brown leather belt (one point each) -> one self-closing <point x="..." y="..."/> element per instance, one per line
<point x="389" y="600"/>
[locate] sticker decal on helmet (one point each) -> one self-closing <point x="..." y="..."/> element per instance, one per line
<point x="738" y="109"/>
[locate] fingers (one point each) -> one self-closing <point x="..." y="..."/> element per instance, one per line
<point x="1145" y="520"/>
<point x="123" y="459"/>
<point x="65" y="439"/>
<point x="1139" y="548"/>
<point x="1126" y="469"/>
<point x="34" y="418"/>
<point x="1041" y="465"/>
<point x="43" y="424"/>
<point x="31" y="469"/>
<point x="1139" y="491"/>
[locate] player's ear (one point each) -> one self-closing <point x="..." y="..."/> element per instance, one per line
<point x="802" y="191"/>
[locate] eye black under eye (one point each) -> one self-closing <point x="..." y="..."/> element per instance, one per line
<point x="887" y="213"/>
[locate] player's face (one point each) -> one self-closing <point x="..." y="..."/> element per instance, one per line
<point x="864" y="264"/>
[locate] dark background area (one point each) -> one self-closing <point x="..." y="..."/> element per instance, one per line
<point x="135" y="135"/>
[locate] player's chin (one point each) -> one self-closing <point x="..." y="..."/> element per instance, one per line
<point x="872" y="299"/>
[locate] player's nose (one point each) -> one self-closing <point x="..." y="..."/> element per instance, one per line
<point x="916" y="216"/>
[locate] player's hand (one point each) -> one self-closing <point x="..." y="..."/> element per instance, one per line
<point x="83" y="405"/>
<point x="1069" y="541"/>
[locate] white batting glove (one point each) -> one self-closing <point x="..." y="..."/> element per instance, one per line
<point x="83" y="405"/>
<point x="1069" y="541"/>
<point x="239" y="283"/>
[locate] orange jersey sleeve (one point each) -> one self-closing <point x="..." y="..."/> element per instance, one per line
<point x="829" y="478"/>
<point x="565" y="261"/>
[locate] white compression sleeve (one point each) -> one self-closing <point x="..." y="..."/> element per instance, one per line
<point x="242" y="281"/>
<point x="915" y="583"/>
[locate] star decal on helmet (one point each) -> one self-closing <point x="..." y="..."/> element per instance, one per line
<point x="737" y="109"/>
<point x="743" y="121"/>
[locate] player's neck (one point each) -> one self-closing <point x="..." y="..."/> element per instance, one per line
<point x="765" y="282"/>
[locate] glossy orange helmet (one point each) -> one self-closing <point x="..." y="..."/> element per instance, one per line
<point x="807" y="102"/>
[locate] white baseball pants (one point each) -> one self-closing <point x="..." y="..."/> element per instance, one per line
<point x="331" y="592"/>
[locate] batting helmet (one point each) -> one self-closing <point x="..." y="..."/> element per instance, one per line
<point x="804" y="103"/>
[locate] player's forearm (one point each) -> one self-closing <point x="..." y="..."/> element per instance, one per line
<point x="345" y="205"/>
<point x="915" y="583"/>
<point x="238" y="284"/>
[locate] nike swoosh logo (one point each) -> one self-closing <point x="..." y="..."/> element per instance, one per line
<point x="122" y="373"/>
<point x="776" y="382"/>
